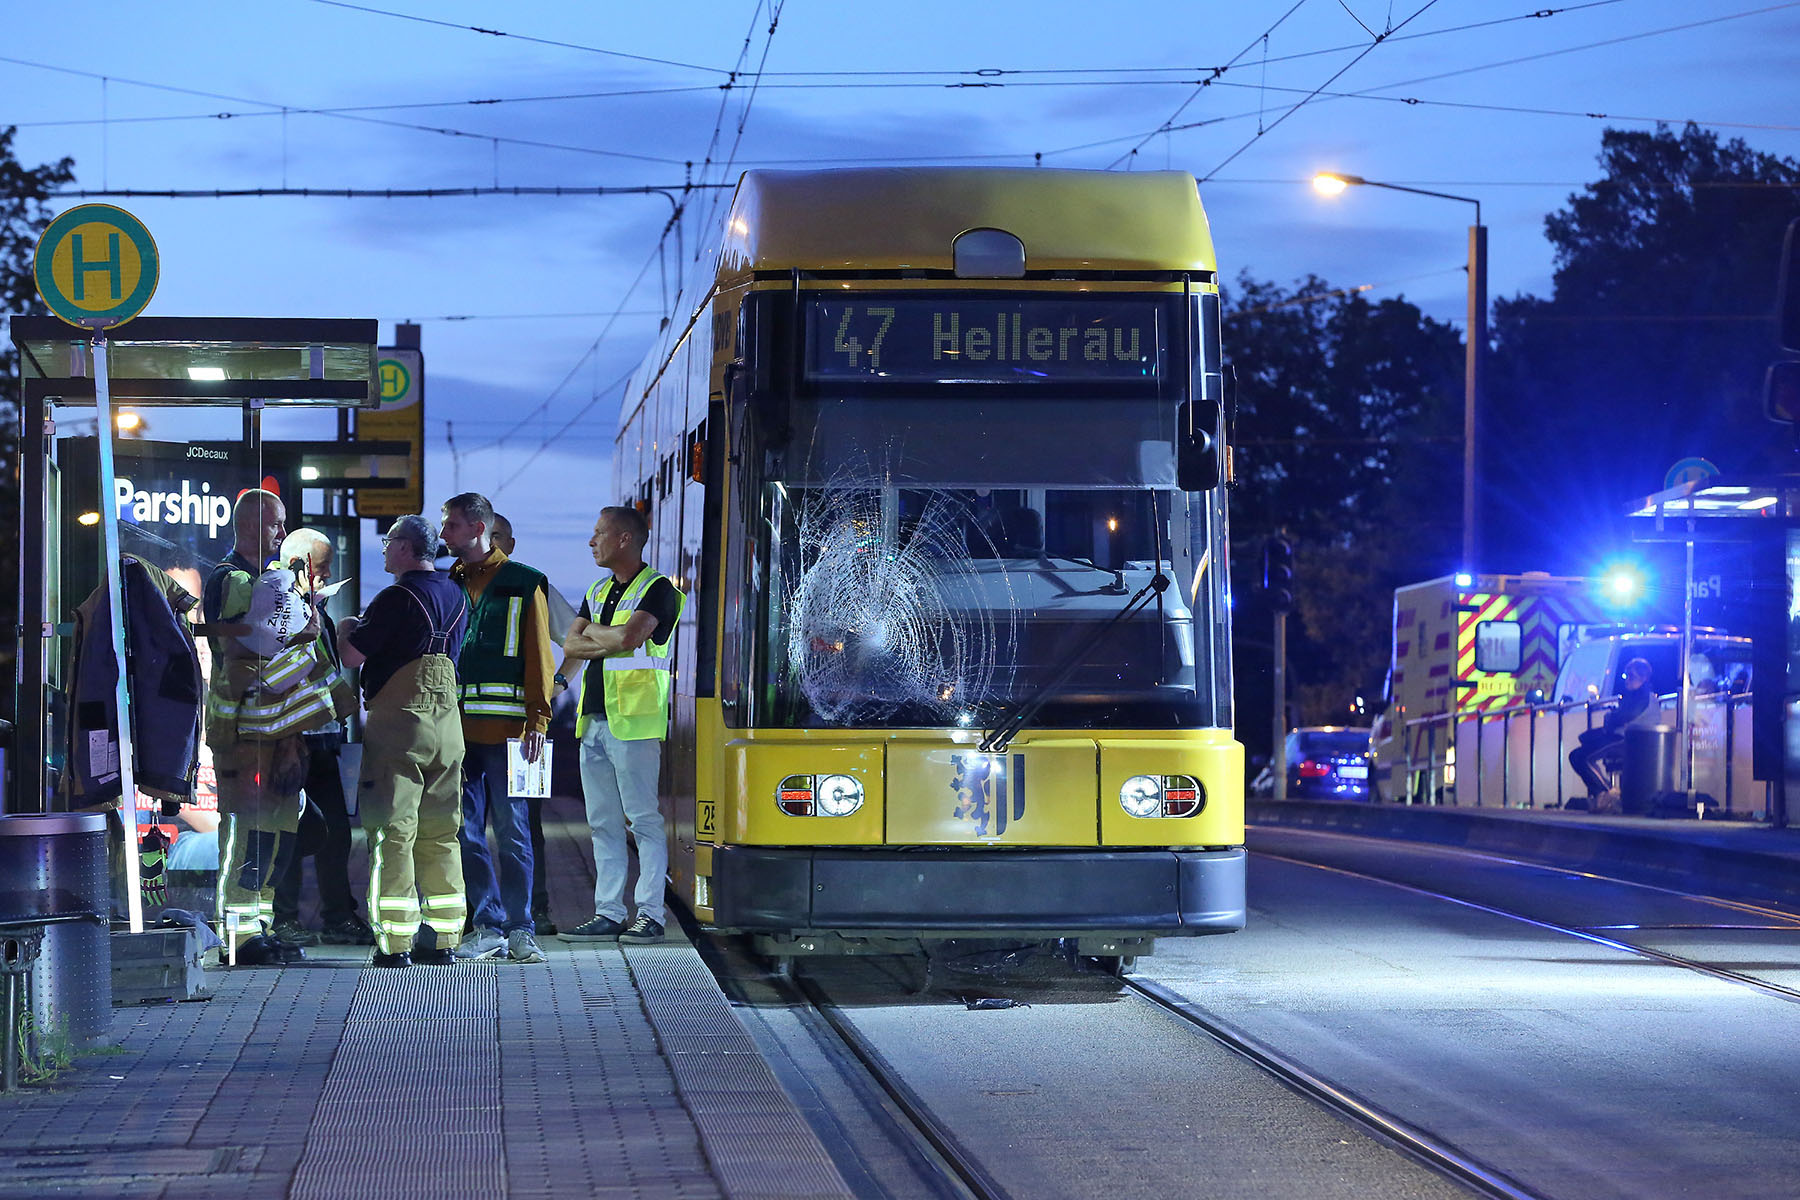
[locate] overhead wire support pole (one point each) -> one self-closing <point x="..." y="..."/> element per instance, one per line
<point x="115" y="597"/>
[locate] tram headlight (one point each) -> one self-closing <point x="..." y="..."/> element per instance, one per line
<point x="819" y="795"/>
<point x="839" y="795"/>
<point x="1142" y="795"/>
<point x="1162" y="796"/>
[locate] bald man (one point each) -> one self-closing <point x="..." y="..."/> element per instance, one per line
<point x="257" y="709"/>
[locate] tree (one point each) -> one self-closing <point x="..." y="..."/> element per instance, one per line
<point x="24" y="214"/>
<point x="1650" y="349"/>
<point x="1347" y="437"/>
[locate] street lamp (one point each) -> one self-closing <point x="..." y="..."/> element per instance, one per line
<point x="1331" y="183"/>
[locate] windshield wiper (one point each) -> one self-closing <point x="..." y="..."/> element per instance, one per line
<point x="1014" y="716"/>
<point x="1118" y="577"/>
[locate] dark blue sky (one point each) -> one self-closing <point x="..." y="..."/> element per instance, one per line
<point x="1465" y="96"/>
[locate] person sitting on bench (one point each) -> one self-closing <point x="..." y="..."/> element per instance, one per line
<point x="1596" y="743"/>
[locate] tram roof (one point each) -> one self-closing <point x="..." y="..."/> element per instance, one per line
<point x="901" y="218"/>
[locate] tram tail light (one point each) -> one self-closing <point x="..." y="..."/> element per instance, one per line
<point x="796" y="796"/>
<point x="1162" y="796"/>
<point x="819" y="795"/>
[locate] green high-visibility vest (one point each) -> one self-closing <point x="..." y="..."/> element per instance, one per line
<point x="637" y="683"/>
<point x="491" y="667"/>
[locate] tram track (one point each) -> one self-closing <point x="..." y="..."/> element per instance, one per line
<point x="965" y="1165"/>
<point x="1590" y="935"/>
<point x="1409" y="1139"/>
<point x="956" y="1157"/>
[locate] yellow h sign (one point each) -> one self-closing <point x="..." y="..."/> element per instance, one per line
<point x="96" y="266"/>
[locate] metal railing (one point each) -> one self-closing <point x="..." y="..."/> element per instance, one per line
<point x="1518" y="757"/>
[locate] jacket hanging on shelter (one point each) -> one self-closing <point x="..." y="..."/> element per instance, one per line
<point x="164" y="685"/>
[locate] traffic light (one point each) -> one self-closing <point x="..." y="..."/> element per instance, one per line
<point x="1278" y="573"/>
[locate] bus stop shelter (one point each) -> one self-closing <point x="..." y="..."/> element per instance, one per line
<point x="252" y="364"/>
<point x="1762" y="516"/>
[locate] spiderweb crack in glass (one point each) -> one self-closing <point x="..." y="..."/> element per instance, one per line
<point x="885" y="617"/>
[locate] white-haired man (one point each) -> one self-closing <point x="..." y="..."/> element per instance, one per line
<point x="324" y="832"/>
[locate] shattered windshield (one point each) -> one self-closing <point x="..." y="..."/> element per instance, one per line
<point x="939" y="605"/>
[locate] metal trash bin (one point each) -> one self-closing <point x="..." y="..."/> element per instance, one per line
<point x="1647" y="768"/>
<point x="53" y="874"/>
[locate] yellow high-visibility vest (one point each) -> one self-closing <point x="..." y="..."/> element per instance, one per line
<point x="636" y="684"/>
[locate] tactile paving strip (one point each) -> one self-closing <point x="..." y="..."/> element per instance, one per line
<point x="757" y="1141"/>
<point x="412" y="1104"/>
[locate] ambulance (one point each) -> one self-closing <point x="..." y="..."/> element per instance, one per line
<point x="1465" y="644"/>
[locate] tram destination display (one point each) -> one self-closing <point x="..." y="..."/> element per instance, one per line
<point x="899" y="338"/>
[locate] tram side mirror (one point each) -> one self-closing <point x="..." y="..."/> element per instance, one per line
<point x="1787" y="291"/>
<point x="1781" y="386"/>
<point x="1196" y="449"/>
<point x="1781" y="392"/>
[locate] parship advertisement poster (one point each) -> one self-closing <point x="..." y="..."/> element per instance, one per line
<point x="174" y="502"/>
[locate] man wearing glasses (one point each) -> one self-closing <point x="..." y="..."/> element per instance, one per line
<point x="406" y="643"/>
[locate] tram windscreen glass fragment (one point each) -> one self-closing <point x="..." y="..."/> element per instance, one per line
<point x="936" y="548"/>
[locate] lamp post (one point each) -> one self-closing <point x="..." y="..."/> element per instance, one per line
<point x="1332" y="183"/>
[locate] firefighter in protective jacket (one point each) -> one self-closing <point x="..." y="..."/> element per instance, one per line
<point x="263" y="693"/>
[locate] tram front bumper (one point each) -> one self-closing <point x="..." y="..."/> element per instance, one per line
<point x="1170" y="893"/>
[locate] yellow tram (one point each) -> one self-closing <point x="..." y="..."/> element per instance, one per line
<point x="936" y="455"/>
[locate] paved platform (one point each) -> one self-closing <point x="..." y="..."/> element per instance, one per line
<point x="1752" y="859"/>
<point x="608" y="1071"/>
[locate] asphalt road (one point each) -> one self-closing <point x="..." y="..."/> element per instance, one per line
<point x="1580" y="1069"/>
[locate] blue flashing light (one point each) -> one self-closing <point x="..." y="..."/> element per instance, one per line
<point x="1464" y="579"/>
<point x="1623" y="585"/>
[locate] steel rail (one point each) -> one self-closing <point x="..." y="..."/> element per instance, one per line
<point x="1724" y="974"/>
<point x="1506" y="860"/>
<point x="966" y="1167"/>
<point x="1439" y="1155"/>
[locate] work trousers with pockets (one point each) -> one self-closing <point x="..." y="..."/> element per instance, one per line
<point x="255" y="820"/>
<point x="410" y="798"/>
<point x="619" y="782"/>
<point x="324" y="836"/>
<point x="245" y="897"/>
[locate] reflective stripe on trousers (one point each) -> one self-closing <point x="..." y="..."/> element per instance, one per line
<point x="410" y="796"/>
<point x="254" y="910"/>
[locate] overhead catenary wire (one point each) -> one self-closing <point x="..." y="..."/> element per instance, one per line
<point x="363" y="118"/>
<point x="988" y="76"/>
<point x="519" y="37"/>
<point x="1303" y="102"/>
<point x="1370" y="93"/>
<point x="592" y="349"/>
<point x="381" y="193"/>
<point x="601" y="394"/>
<point x="673" y="224"/>
<point x="744" y="115"/>
<point x="1259" y="39"/>
<point x="1215" y="80"/>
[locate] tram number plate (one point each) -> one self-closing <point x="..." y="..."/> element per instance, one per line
<point x="708" y="820"/>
